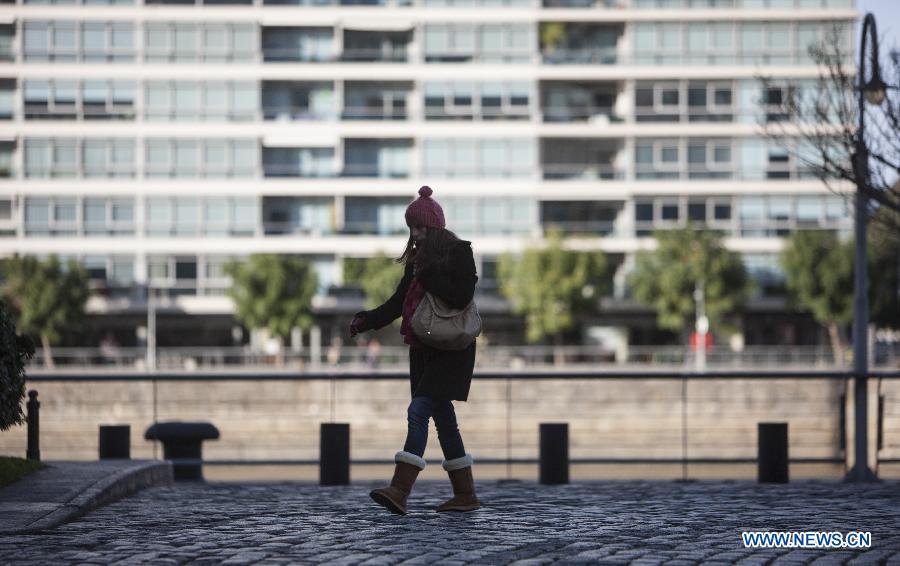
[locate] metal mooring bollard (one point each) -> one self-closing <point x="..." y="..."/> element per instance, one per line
<point x="334" y="454"/>
<point x="554" y="453"/>
<point x="772" y="454"/>
<point x="33" y="451"/>
<point x="115" y="442"/>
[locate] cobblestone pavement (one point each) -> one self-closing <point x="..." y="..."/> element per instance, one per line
<point x="605" y="522"/>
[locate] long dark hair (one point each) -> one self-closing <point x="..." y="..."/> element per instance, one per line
<point x="435" y="251"/>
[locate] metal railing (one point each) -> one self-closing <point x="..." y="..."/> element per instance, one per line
<point x="489" y="357"/>
<point x="661" y="411"/>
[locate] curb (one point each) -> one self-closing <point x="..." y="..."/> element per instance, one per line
<point x="102" y="492"/>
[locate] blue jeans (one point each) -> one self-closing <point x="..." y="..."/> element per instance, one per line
<point x="420" y="410"/>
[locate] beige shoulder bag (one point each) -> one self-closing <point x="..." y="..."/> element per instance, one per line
<point x="441" y="326"/>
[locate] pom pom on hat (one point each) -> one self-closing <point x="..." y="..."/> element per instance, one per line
<point x="425" y="211"/>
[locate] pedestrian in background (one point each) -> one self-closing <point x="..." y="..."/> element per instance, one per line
<point x="438" y="262"/>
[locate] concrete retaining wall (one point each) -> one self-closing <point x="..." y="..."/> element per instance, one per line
<point x="623" y="418"/>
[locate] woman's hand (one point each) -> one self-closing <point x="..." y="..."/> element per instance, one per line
<point x="355" y="325"/>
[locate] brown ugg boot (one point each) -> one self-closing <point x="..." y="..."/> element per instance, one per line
<point x="460" y="472"/>
<point x="394" y="496"/>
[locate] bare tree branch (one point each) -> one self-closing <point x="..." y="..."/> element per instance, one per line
<point x="818" y="127"/>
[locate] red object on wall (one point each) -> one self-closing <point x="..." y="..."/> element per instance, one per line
<point x="695" y="339"/>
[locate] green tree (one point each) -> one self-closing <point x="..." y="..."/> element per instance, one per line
<point x="274" y="292"/>
<point x="378" y="276"/>
<point x="46" y="299"/>
<point x="884" y="269"/>
<point x="684" y="259"/>
<point x="819" y="272"/>
<point x="552" y="35"/>
<point x="549" y="284"/>
<point x="15" y="351"/>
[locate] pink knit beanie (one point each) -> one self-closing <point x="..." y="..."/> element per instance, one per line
<point x="425" y="211"/>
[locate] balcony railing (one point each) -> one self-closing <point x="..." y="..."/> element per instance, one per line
<point x="586" y="228"/>
<point x="368" y="113"/>
<point x="293" y="55"/>
<point x="299" y="170"/>
<point x="599" y="115"/>
<point x="578" y="171"/>
<point x="589" y="56"/>
<point x="385" y="55"/>
<point x="287" y="112"/>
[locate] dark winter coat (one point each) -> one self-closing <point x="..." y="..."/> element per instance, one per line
<point x="442" y="374"/>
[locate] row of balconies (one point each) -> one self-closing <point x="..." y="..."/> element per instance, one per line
<point x="226" y="217"/>
<point x="183" y="101"/>
<point x="556" y="159"/>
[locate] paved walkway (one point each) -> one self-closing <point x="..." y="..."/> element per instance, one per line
<point x="62" y="491"/>
<point x="605" y="522"/>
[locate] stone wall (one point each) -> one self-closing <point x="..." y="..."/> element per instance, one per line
<point x="622" y="418"/>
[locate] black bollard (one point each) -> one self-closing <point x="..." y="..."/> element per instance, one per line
<point x="115" y="442"/>
<point x="334" y="454"/>
<point x="183" y="444"/>
<point x="33" y="451"/>
<point x="772" y="454"/>
<point x="554" y="441"/>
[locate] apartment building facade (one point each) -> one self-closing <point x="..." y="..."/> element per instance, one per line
<point x="153" y="141"/>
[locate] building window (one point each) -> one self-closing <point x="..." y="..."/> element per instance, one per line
<point x="464" y="157"/>
<point x="192" y="42"/>
<point x="65" y="41"/>
<point x="201" y="158"/>
<point x="192" y="216"/>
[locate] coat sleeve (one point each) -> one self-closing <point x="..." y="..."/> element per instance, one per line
<point x="381" y="316"/>
<point x="456" y="285"/>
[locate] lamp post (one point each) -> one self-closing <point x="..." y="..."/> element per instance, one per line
<point x="872" y="92"/>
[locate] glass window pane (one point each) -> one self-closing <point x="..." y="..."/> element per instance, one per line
<point x="697" y="37"/>
<point x="722" y="154"/>
<point x="243" y="213"/>
<point x="669" y="212"/>
<point x="697" y="96"/>
<point x="159" y="211"/>
<point x="722" y="36"/>
<point x="835" y="208"/>
<point x="670" y="36"/>
<point x="779" y="208"/>
<point x="669" y="154"/>
<point x="123" y="211"/>
<point x="123" y="92"/>
<point x="751" y="208"/>
<point x="94" y="212"/>
<point x="64" y="36"/>
<point x="643" y="212"/>
<point x="722" y="211"/>
<point x="643" y="154"/>
<point x="697" y="154"/>
<point x="751" y="38"/>
<point x="697" y="211"/>
<point x="64" y="211"/>
<point x="94" y="92"/>
<point x="93" y="39"/>
<point x="186" y="157"/>
<point x="122" y="37"/>
<point x="779" y="37"/>
<point x="187" y="215"/>
<point x="37" y="212"/>
<point x="122" y="271"/>
<point x="37" y="92"/>
<point x="36" y="37"/>
<point x="809" y="209"/>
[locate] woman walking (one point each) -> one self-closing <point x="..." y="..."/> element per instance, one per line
<point x="438" y="262"/>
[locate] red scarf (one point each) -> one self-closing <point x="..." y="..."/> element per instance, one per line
<point x="414" y="295"/>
